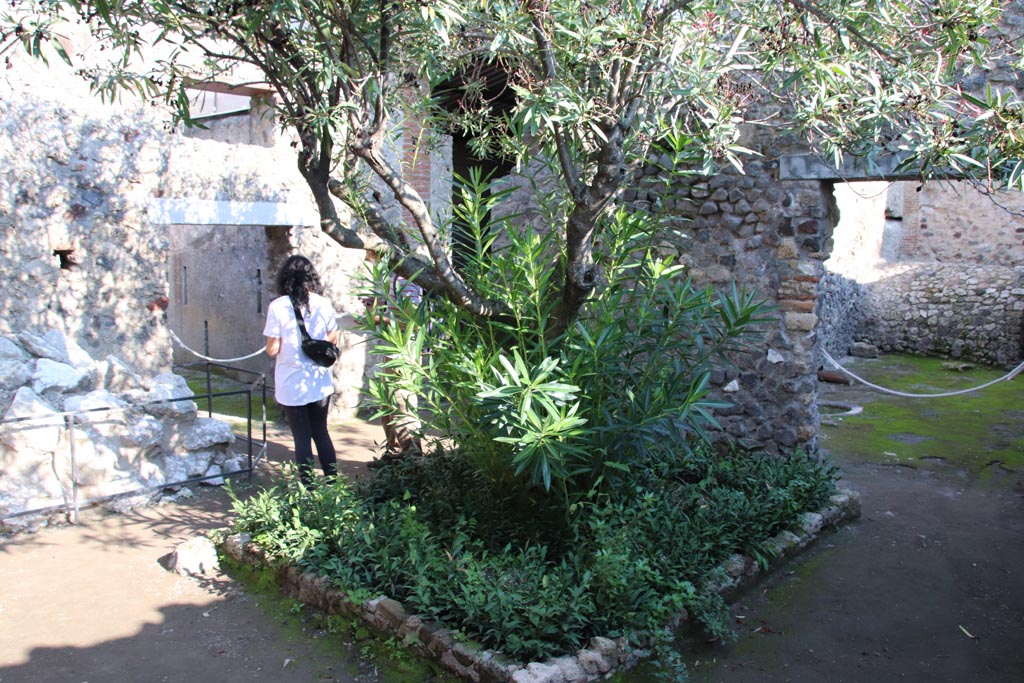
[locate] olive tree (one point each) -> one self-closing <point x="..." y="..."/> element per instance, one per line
<point x="595" y="85"/>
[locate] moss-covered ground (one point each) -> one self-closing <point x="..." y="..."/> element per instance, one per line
<point x="358" y="653"/>
<point x="980" y="433"/>
<point x="227" y="396"/>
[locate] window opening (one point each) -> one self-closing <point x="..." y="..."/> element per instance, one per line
<point x="67" y="258"/>
<point x="184" y="285"/>
<point x="206" y="104"/>
<point x="259" y="291"/>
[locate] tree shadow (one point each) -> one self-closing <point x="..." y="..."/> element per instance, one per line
<point x="226" y="640"/>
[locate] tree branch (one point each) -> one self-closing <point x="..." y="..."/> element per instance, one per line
<point x="570" y="173"/>
<point x="441" y="268"/>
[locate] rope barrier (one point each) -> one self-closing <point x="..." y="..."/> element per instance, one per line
<point x="214" y="360"/>
<point x="1007" y="377"/>
<point x="231" y="360"/>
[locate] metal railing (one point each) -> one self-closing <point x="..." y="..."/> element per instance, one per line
<point x="73" y="503"/>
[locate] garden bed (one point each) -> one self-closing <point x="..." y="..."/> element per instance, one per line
<point x="390" y="619"/>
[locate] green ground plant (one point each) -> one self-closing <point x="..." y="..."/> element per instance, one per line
<point x="977" y="432"/>
<point x="477" y="560"/>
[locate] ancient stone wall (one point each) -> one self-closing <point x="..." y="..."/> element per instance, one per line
<point x="108" y="216"/>
<point x="839" y="314"/>
<point x="957" y="222"/>
<point x="85" y="252"/>
<point x="767" y="236"/>
<point x="957" y="310"/>
<point x="95" y="198"/>
<point x="951" y="221"/>
<point x="78" y="253"/>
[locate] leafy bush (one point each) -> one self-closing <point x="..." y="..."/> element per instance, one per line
<point x="566" y="413"/>
<point x="454" y="549"/>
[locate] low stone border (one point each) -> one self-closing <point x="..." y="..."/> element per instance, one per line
<point x="473" y="663"/>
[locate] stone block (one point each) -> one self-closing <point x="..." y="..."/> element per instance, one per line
<point x="15" y="374"/>
<point x="235" y="545"/>
<point x="570" y="669"/>
<point x="12" y="351"/>
<point x="785" y="543"/>
<point x="736" y="565"/>
<point x="811" y="523"/>
<point x="206" y="432"/>
<point x="801" y="322"/>
<point x="41" y="428"/>
<point x="450" y="663"/>
<point x="194" y="557"/>
<point x="436" y="638"/>
<point x="593" y="663"/>
<point x="787" y="250"/>
<point x="51" y="375"/>
<point x="536" y="672"/>
<point x="494" y="668"/>
<point x="467" y="652"/>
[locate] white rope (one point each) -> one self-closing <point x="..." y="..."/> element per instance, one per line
<point x="1007" y="377"/>
<point x="215" y="360"/>
<point x="229" y="360"/>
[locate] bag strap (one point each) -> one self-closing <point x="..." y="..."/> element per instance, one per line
<point x="299" y="320"/>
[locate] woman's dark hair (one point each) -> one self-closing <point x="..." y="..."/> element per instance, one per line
<point x="297" y="278"/>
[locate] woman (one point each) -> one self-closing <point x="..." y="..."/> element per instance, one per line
<point x="301" y="386"/>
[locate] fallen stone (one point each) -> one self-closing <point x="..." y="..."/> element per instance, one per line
<point x="15" y="374"/>
<point x="96" y="405"/>
<point x="212" y="476"/>
<point x="146" y="432"/>
<point x="194" y="557"/>
<point x="12" y="351"/>
<point x="53" y="375"/>
<point x="42" y="433"/>
<point x="206" y="432"/>
<point x="864" y="350"/>
<point x="118" y="377"/>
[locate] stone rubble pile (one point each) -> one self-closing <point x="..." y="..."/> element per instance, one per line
<point x="127" y="433"/>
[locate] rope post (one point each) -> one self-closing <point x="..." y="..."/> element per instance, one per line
<point x="70" y="421"/>
<point x="209" y="391"/>
<point x="263" y="408"/>
<point x="248" y="426"/>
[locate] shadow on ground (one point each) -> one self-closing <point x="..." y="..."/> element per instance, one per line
<point x="92" y="603"/>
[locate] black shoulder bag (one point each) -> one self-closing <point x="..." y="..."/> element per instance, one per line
<point x="320" y="351"/>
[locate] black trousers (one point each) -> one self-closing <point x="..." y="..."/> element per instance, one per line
<point x="309" y="424"/>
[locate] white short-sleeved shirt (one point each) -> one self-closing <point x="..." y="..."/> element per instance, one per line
<point x="297" y="379"/>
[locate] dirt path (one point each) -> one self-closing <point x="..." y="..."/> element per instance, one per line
<point x="92" y="603"/>
<point x="928" y="587"/>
